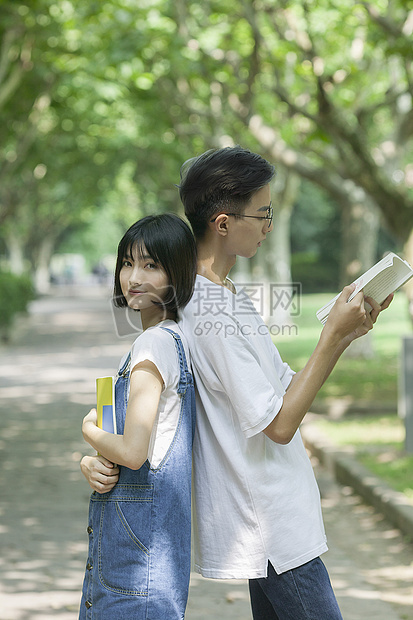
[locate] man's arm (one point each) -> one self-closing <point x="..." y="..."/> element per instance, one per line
<point x="368" y="324"/>
<point x="346" y="322"/>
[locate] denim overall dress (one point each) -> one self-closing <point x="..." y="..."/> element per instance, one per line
<point x="140" y="532"/>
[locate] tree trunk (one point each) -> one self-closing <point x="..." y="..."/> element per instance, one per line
<point x="41" y="265"/>
<point x="15" y="249"/>
<point x="272" y="264"/>
<point x="408" y="255"/>
<point x="360" y="228"/>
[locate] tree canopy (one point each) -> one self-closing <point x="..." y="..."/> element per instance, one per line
<point x="102" y="102"/>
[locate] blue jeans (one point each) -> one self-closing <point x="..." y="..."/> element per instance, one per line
<point x="303" y="593"/>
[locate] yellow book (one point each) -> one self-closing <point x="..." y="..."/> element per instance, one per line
<point x="105" y="399"/>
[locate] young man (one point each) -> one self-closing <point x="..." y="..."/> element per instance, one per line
<point x="258" y="513"/>
<point x="257" y="505"/>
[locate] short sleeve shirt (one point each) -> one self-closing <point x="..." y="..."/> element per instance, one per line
<point x="158" y="346"/>
<point x="256" y="501"/>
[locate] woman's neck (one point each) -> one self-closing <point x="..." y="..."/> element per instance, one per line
<point x="152" y="316"/>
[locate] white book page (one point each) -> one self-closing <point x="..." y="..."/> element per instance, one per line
<point x="378" y="282"/>
<point x="387" y="281"/>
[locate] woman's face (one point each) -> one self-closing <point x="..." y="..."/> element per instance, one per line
<point x="142" y="280"/>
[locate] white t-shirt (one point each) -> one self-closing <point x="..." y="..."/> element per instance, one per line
<point x="159" y="347"/>
<point x="255" y="500"/>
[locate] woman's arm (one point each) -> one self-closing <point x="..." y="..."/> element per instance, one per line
<point x="101" y="474"/>
<point x="131" y="448"/>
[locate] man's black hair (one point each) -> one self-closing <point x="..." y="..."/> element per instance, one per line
<point x="221" y="180"/>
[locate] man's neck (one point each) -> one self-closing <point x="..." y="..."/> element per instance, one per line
<point x="214" y="265"/>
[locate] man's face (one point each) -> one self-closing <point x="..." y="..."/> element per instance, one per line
<point x="247" y="233"/>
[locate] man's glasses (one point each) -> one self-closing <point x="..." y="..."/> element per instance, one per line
<point x="267" y="217"/>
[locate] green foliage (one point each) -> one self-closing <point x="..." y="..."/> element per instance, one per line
<point x="378" y="441"/>
<point x="89" y="90"/>
<point x="322" y="87"/>
<point x="313" y="272"/>
<point x="366" y="430"/>
<point x="79" y="107"/>
<point x="394" y="467"/>
<point x="356" y="380"/>
<point x="100" y="238"/>
<point x="315" y="223"/>
<point x="315" y="240"/>
<point x="15" y="294"/>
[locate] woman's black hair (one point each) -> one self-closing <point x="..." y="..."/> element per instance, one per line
<point x="170" y="243"/>
<point x="221" y="180"/>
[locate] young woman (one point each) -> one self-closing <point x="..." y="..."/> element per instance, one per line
<point x="139" y="532"/>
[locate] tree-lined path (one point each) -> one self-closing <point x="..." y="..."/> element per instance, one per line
<point x="47" y="378"/>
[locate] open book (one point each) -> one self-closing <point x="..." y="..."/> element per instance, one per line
<point x="105" y="400"/>
<point x="383" y="278"/>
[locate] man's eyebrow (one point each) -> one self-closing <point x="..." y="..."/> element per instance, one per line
<point x="265" y="207"/>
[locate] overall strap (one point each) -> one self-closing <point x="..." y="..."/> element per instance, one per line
<point x="185" y="378"/>
<point x="125" y="368"/>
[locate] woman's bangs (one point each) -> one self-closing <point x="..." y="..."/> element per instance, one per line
<point x="138" y="250"/>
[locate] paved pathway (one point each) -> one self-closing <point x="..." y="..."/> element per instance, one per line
<point x="47" y="378"/>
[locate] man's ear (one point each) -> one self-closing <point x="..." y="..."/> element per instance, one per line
<point x="221" y="224"/>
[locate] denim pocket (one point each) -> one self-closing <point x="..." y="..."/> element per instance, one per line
<point x="124" y="539"/>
